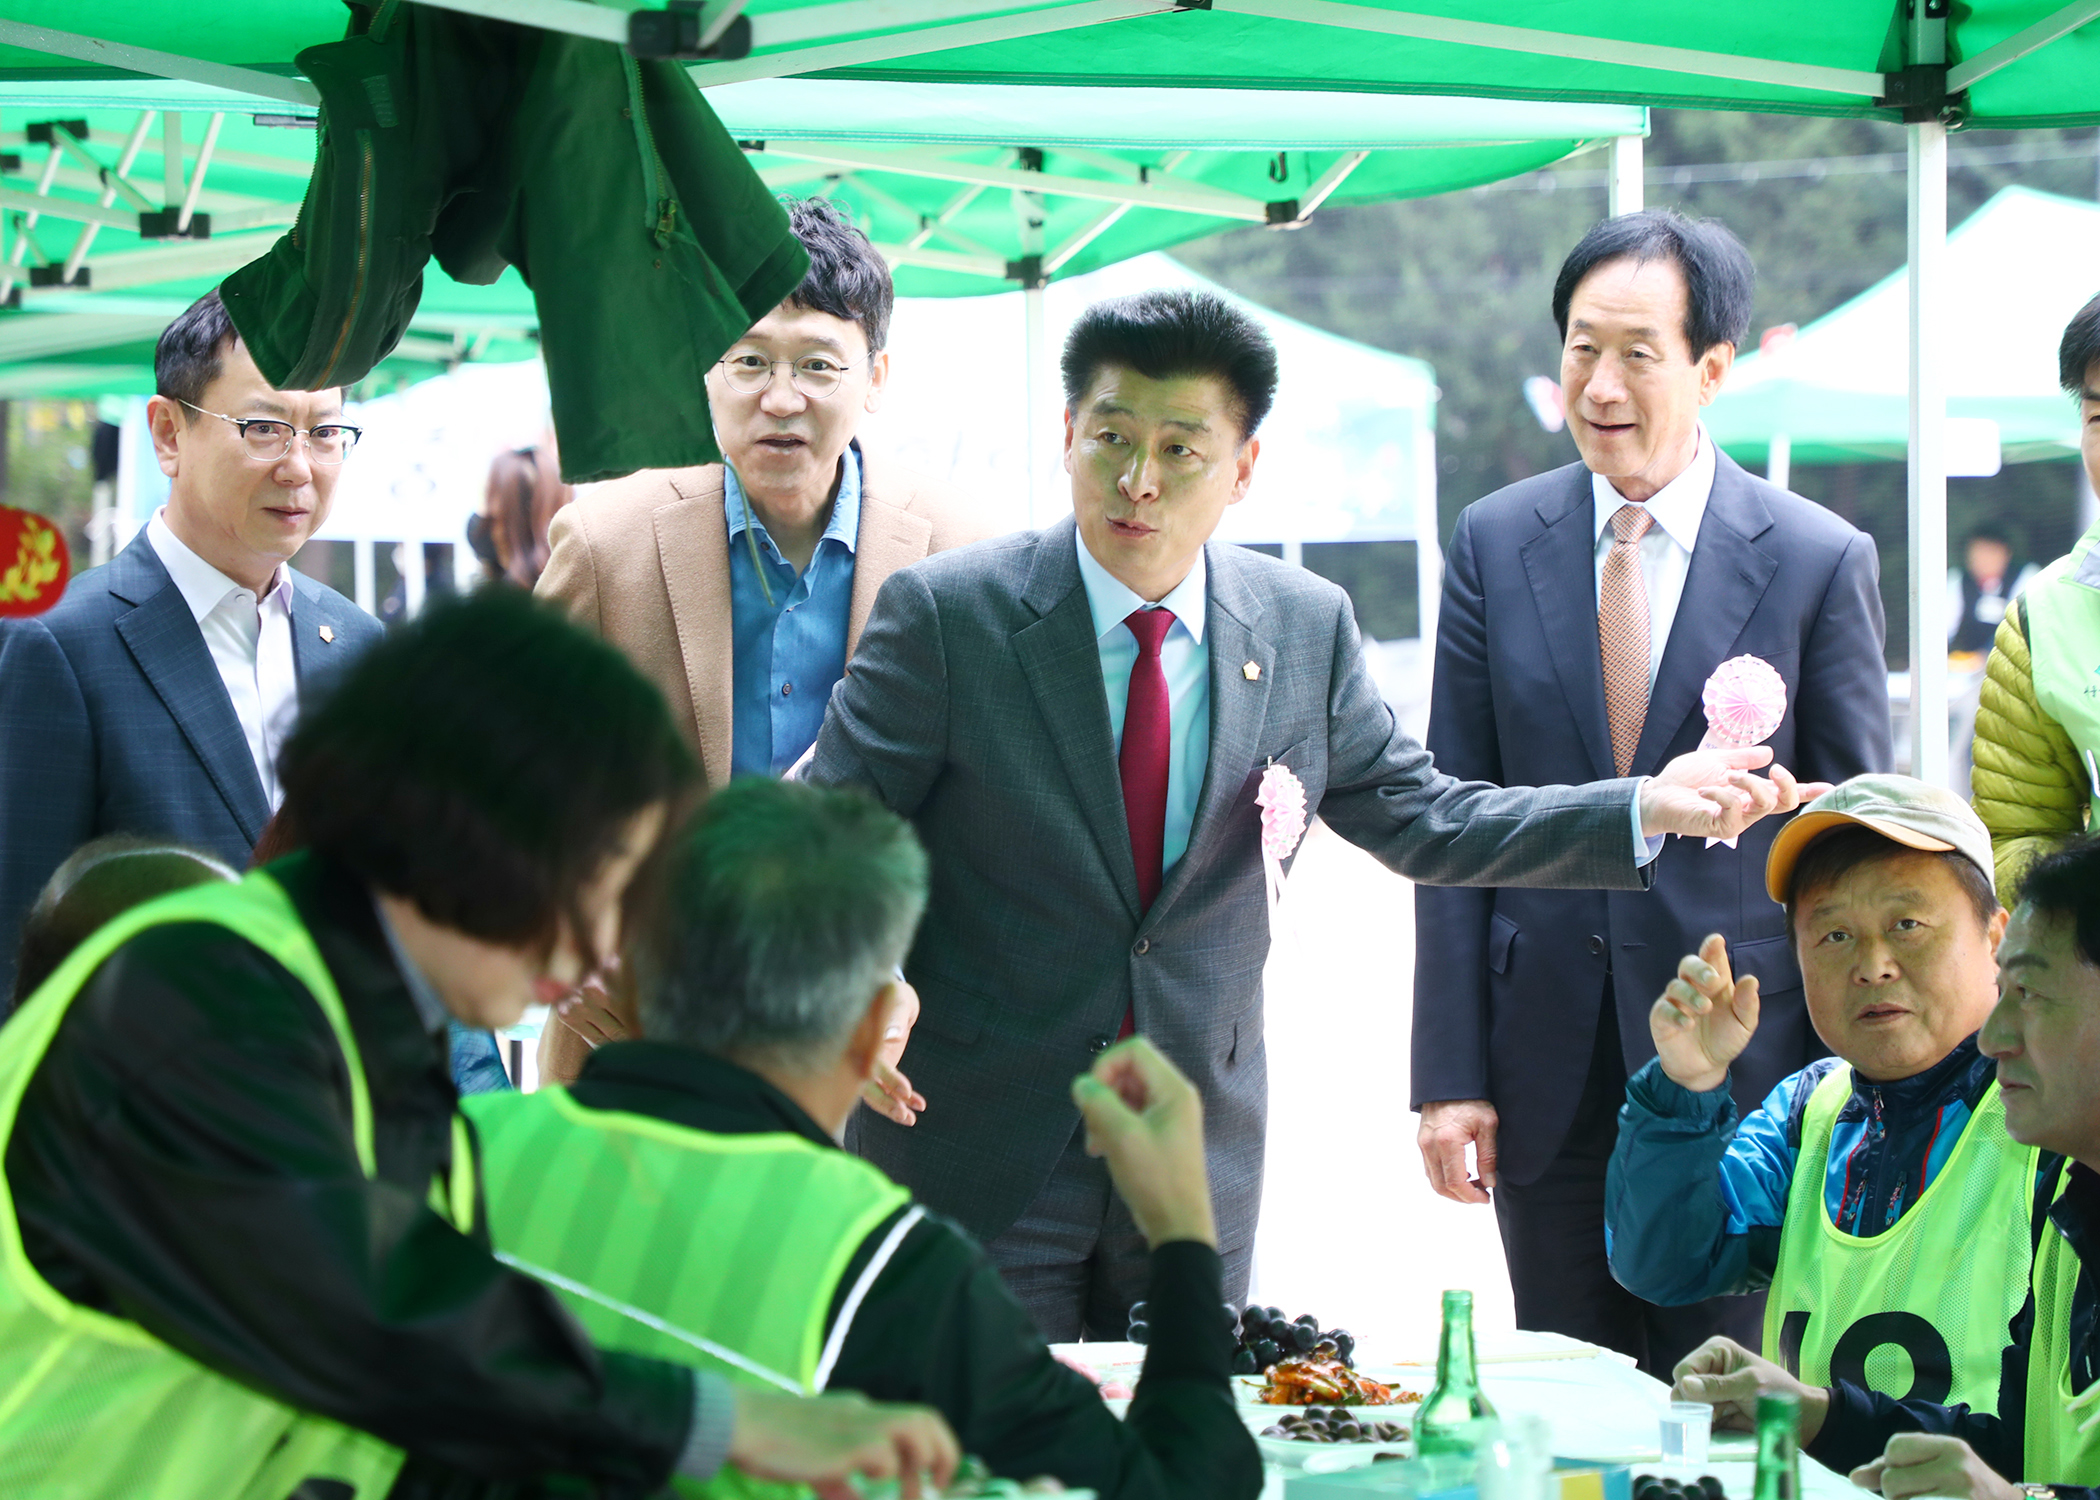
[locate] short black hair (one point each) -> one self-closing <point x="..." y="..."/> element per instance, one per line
<point x="482" y="762"/>
<point x="100" y="881"/>
<point x="192" y="350"/>
<point x="1987" y="531"/>
<point x="1830" y="857"/>
<point x="2080" y="348"/>
<point x="790" y="906"/>
<point x="1174" y="332"/>
<point x="847" y="277"/>
<point x="2065" y="885"/>
<point x="1719" y="280"/>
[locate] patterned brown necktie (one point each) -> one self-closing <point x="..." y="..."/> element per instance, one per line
<point x="1622" y="633"/>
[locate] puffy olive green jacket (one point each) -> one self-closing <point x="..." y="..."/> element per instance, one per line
<point x="2028" y="785"/>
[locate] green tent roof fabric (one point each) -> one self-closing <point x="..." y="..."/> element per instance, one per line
<point x="2018" y="268"/>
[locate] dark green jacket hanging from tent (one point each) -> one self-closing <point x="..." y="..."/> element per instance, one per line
<point x="648" y="241"/>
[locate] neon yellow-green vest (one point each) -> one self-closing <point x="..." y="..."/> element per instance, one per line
<point x="93" y="1407"/>
<point x="721" y="1251"/>
<point x="2063" y="640"/>
<point x="2063" y="1430"/>
<point x="1921" y="1308"/>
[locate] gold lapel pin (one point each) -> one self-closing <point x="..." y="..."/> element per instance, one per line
<point x="328" y="634"/>
<point x="1251" y="671"/>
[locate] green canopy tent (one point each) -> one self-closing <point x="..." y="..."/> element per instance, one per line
<point x="2017" y="269"/>
<point x="2006" y="63"/>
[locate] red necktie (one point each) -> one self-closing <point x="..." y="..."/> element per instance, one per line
<point x="1147" y="742"/>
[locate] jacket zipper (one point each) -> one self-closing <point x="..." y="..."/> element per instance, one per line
<point x="364" y="252"/>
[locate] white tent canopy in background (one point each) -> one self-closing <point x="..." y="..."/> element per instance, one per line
<point x="2016" y="270"/>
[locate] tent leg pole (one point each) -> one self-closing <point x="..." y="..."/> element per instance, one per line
<point x="1429" y="549"/>
<point x="1779" y="460"/>
<point x="1624" y="196"/>
<point x="1036" y="355"/>
<point x="366" y="572"/>
<point x="1928" y="453"/>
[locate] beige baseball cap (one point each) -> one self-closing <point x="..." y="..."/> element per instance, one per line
<point x="1902" y="808"/>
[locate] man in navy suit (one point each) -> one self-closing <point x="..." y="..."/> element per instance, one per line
<point x="154" y="697"/>
<point x="1583" y="612"/>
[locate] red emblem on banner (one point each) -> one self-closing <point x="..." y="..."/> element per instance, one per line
<point x="33" y="563"/>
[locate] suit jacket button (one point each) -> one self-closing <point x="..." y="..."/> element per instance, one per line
<point x="1142" y="946"/>
<point x="1596" y="944"/>
<point x="1099" y="1044"/>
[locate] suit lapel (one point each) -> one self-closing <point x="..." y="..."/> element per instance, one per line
<point x="1238" y="710"/>
<point x="1728" y="575"/>
<point x="692" y="545"/>
<point x="891" y="538"/>
<point x="1560" y="563"/>
<point x="318" y="663"/>
<point x="1062" y="661"/>
<point x="163" y="639"/>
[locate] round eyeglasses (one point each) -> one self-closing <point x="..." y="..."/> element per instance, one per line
<point x="269" y="440"/>
<point x="814" y="375"/>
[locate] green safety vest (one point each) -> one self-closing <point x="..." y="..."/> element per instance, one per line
<point x="93" y="1407"/>
<point x="1934" y="1291"/>
<point x="2063" y="640"/>
<point x="2063" y="1430"/>
<point x="721" y="1251"/>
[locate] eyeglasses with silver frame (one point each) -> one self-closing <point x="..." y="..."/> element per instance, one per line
<point x="269" y="440"/>
<point x="814" y="375"/>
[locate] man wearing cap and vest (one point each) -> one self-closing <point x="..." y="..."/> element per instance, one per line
<point x="2044" y="1440"/>
<point x="1875" y="1193"/>
<point x="689" y="1196"/>
<point x="2037" y="773"/>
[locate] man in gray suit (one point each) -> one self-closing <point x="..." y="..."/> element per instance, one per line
<point x="1076" y="721"/>
<point x="153" y="698"/>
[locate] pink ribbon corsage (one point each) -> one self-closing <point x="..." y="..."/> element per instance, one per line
<point x="1744" y="700"/>
<point x="1281" y="798"/>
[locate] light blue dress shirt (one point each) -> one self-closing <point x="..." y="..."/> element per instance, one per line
<point x="789" y="649"/>
<point x="1184" y="658"/>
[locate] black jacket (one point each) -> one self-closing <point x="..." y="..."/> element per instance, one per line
<point x="184" y="1159"/>
<point x="939" y="1327"/>
<point x="1861" y="1422"/>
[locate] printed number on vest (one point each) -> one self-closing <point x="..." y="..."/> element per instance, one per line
<point x="1931" y="1362"/>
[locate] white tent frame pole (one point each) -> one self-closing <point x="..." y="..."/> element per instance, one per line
<point x="877" y="49"/>
<point x="164" y="64"/>
<point x="1429" y="547"/>
<point x="1178" y="197"/>
<point x="189" y="199"/>
<point x="171" y="159"/>
<point x="1627" y="190"/>
<point x="1992" y="59"/>
<point x="1323" y="188"/>
<point x="939" y="222"/>
<point x="943" y="260"/>
<point x="599" y="23"/>
<point x="1028" y="206"/>
<point x="23" y="241"/>
<point x="1099" y="225"/>
<point x="110" y="181"/>
<point x="1928" y="452"/>
<point x="95" y="216"/>
<point x="1563" y="44"/>
<point x="1779" y="459"/>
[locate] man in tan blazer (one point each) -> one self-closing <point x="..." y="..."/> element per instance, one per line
<point x="740" y="589"/>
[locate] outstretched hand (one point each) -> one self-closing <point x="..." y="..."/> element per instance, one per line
<point x="822" y="1441"/>
<point x="1930" y="1463"/>
<point x="1705" y="1018"/>
<point x="1711" y="793"/>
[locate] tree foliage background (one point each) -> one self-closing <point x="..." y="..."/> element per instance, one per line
<point x="1465" y="281"/>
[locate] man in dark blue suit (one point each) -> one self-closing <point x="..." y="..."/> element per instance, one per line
<point x="1583" y="612"/>
<point x="154" y="697"/>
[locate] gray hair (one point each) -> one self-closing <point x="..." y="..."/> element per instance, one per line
<point x="790" y="906"/>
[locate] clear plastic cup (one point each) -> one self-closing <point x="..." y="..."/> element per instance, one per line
<point x="1687" y="1433"/>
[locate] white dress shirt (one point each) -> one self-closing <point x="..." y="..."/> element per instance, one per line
<point x="1666" y="551"/>
<point x="1185" y="660"/>
<point x="250" y="641"/>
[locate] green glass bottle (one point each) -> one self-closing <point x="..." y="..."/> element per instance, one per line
<point x="1443" y="1422"/>
<point x="1778" y="1446"/>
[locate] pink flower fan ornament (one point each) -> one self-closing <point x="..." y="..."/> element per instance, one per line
<point x="1281" y="797"/>
<point x="1745" y="700"/>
